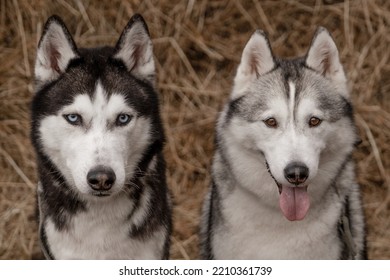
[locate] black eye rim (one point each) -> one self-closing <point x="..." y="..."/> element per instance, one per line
<point x="317" y="119"/>
<point x="79" y="120"/>
<point x="119" y="123"/>
<point x="266" y="122"/>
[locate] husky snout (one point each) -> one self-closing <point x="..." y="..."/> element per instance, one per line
<point x="296" y="173"/>
<point x="101" y="178"/>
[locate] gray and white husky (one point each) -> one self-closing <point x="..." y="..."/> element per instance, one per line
<point x="283" y="181"/>
<point x="98" y="136"/>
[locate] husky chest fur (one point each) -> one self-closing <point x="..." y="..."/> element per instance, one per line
<point x="98" y="136"/>
<point x="283" y="182"/>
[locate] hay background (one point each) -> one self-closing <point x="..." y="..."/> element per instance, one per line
<point x="197" y="48"/>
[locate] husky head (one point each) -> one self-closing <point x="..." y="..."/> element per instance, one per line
<point x="289" y="121"/>
<point x="95" y="117"/>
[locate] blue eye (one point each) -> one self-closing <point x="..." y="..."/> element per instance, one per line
<point x="123" y="119"/>
<point x="73" y="119"/>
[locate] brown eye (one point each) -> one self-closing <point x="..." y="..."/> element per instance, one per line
<point x="314" y="122"/>
<point x="271" y="122"/>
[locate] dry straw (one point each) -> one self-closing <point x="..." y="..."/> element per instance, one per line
<point x="197" y="48"/>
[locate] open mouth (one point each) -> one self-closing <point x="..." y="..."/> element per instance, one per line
<point x="293" y="200"/>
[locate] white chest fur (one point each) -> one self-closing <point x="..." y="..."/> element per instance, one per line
<point x="253" y="231"/>
<point x="103" y="232"/>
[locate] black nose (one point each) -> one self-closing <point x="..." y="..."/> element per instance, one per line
<point x="296" y="173"/>
<point x="101" y="178"/>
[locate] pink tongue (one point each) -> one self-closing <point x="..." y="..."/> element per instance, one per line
<point x="294" y="202"/>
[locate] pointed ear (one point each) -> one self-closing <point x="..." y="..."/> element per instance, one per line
<point x="323" y="55"/>
<point x="256" y="60"/>
<point x="135" y="49"/>
<point x="55" y="49"/>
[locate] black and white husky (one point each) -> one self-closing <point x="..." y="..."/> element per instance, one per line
<point x="98" y="136"/>
<point x="283" y="181"/>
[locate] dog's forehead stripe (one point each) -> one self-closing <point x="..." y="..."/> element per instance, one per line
<point x="291" y="87"/>
<point x="100" y="97"/>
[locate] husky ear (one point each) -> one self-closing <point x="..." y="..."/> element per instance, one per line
<point x="55" y="49"/>
<point x="134" y="48"/>
<point x="256" y="60"/>
<point x="323" y="56"/>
